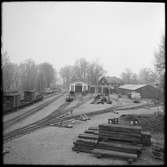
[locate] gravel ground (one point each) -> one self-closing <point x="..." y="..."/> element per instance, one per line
<point x="53" y="145"/>
<point x="37" y="116"/>
<point x="15" y="114"/>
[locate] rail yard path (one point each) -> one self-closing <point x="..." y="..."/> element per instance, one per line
<point x="19" y="116"/>
<point x="54" y="115"/>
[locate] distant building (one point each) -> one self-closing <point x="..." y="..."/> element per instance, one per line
<point x="146" y="91"/>
<point x="112" y="83"/>
<point x="78" y="87"/>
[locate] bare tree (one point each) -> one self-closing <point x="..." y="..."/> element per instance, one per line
<point x="146" y="75"/>
<point x="81" y="66"/>
<point x="46" y="76"/>
<point x="66" y="73"/>
<point x="129" y="77"/>
<point x="81" y="71"/>
<point x="28" y="74"/>
<point x="160" y="63"/>
<point x="10" y="76"/>
<point x="95" y="71"/>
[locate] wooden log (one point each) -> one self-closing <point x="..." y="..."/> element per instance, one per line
<point x="158" y="149"/>
<point x="123" y="142"/>
<point x="93" y="143"/>
<point x="146" y="138"/>
<point x="119" y="137"/>
<point x="122" y="133"/>
<point x="91" y="132"/>
<point x="157" y="153"/>
<point x="89" y="136"/>
<point x="157" y="157"/>
<point x="158" y="146"/>
<point x="117" y="154"/>
<point x="119" y="147"/>
<point x="85" y="144"/>
<point x="81" y="150"/>
<point x="121" y="128"/>
<point x="109" y="135"/>
<point x="86" y="140"/>
<point x="93" y="128"/>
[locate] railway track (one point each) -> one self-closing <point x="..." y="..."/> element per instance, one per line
<point x="55" y="116"/>
<point x="23" y="116"/>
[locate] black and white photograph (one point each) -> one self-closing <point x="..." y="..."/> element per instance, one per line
<point x="83" y="83"/>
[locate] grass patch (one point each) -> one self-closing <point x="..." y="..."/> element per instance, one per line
<point x="149" y="122"/>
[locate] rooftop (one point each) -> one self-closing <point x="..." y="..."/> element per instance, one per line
<point x="132" y="86"/>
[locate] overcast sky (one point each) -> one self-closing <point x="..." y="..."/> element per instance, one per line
<point x="117" y="35"/>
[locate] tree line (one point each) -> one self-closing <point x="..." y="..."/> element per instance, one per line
<point x="28" y="75"/>
<point x="83" y="70"/>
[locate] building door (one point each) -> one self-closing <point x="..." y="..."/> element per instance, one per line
<point x="78" y="88"/>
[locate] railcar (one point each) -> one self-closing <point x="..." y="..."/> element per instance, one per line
<point x="12" y="100"/>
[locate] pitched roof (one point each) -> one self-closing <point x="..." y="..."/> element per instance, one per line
<point x="132" y="86"/>
<point x="109" y="79"/>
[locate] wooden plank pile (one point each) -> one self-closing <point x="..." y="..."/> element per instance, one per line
<point x="146" y="138"/>
<point x="84" y="144"/>
<point x="120" y="141"/>
<point x="121" y="147"/>
<point x="113" y="140"/>
<point x="122" y="133"/>
<point x="109" y="153"/>
<point x="88" y="136"/>
<point x="158" y="150"/>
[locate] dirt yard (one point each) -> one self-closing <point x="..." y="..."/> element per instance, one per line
<point x="38" y="115"/>
<point x="53" y="145"/>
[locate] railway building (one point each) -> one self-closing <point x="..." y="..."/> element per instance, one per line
<point x="146" y="91"/>
<point x="78" y="87"/>
<point x="108" y="85"/>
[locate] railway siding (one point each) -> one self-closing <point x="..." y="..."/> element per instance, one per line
<point x="29" y="112"/>
<point x="43" y="122"/>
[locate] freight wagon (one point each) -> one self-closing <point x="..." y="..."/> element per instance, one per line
<point x="12" y="100"/>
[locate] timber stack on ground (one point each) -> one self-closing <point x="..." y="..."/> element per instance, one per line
<point x="158" y="150"/>
<point x="113" y="140"/>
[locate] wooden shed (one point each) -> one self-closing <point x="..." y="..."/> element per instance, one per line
<point x="78" y="87"/>
<point x="146" y="91"/>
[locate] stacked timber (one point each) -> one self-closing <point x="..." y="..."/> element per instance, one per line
<point x="109" y="153"/>
<point x="113" y="140"/>
<point x="146" y="138"/>
<point x="89" y="136"/>
<point x="95" y="132"/>
<point x="120" y="147"/>
<point x="93" y="128"/>
<point x="87" y="141"/>
<point x="158" y="150"/>
<point x="84" y="145"/>
<point x="116" y="132"/>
